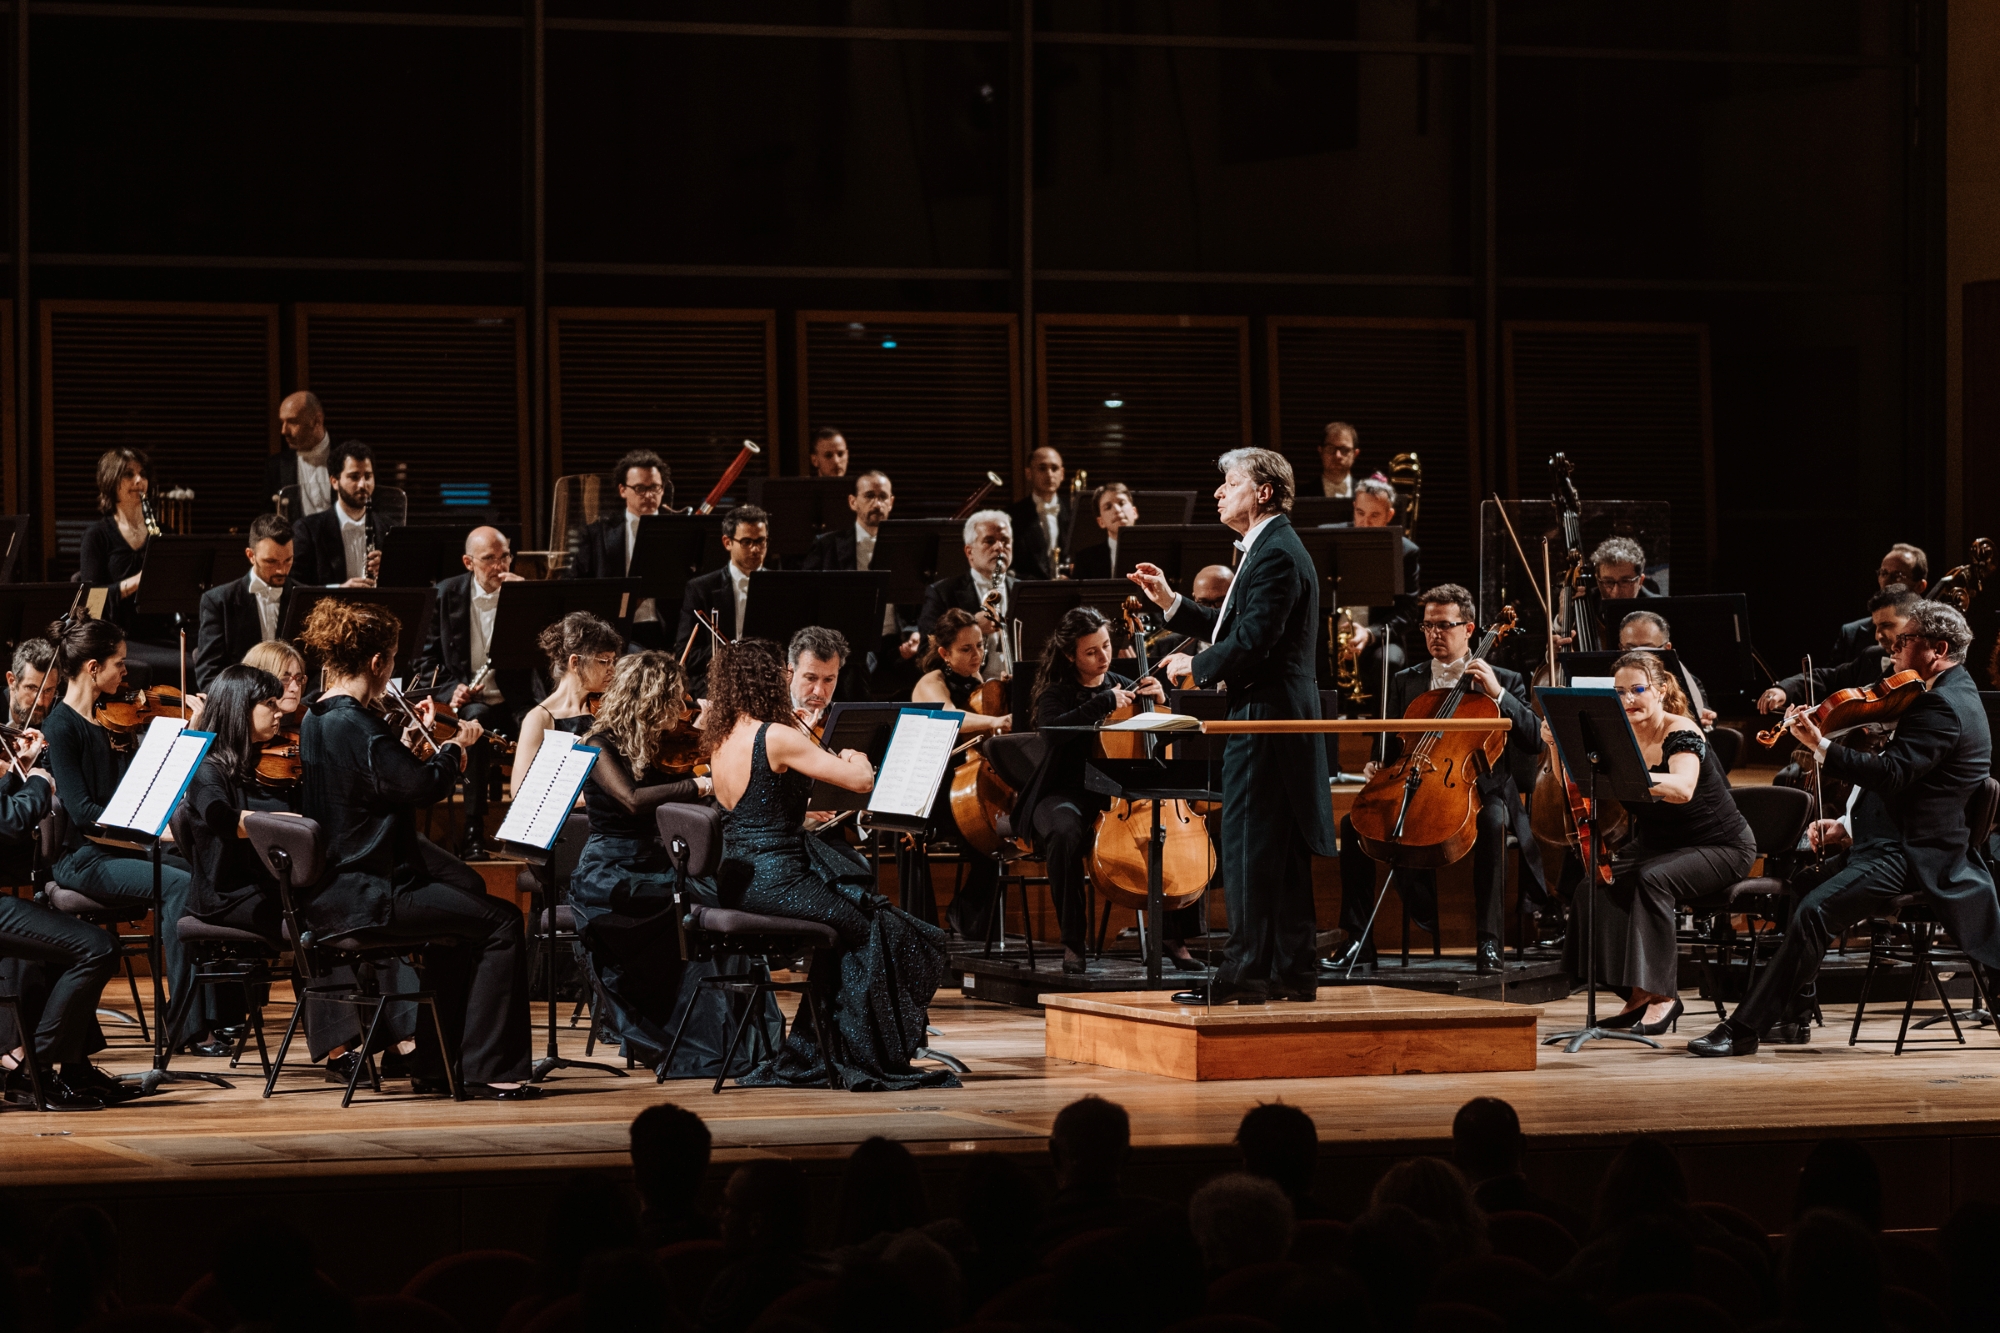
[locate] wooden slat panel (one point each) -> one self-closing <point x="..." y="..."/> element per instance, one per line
<point x="1629" y="403"/>
<point x="1404" y="385"/>
<point x="15" y="476"/>
<point x="439" y="393"/>
<point x="1183" y="382"/>
<point x="691" y="384"/>
<point x="195" y="386"/>
<point x="928" y="398"/>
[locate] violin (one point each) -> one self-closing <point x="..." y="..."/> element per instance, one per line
<point x="128" y="712"/>
<point x="1118" y="854"/>
<point x="1422" y="810"/>
<point x="1843" y="710"/>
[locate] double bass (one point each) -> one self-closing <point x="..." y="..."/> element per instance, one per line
<point x="1421" y="810"/>
<point x="1125" y="831"/>
<point x="979" y="795"/>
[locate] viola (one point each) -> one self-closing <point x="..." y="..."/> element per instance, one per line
<point x="1422" y="810"/>
<point x="1118" y="855"/>
<point x="1843" y="710"/>
<point x="129" y="712"/>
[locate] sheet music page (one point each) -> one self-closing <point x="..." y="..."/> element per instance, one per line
<point x="165" y="793"/>
<point x="914" y="764"/>
<point x="123" y="810"/>
<point x="536" y="816"/>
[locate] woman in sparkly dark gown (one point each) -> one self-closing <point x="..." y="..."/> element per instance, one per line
<point x="876" y="987"/>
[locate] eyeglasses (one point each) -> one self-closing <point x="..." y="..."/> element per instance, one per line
<point x="293" y="678"/>
<point x="1896" y="644"/>
<point x="1444" y="626"/>
<point x="651" y="488"/>
<point x="1629" y="581"/>
<point x="753" y="542"/>
<point x="1629" y="692"/>
<point x="606" y="660"/>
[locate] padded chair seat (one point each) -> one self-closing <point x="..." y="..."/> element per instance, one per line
<point x="194" y="928"/>
<point x="1762" y="886"/>
<point x="727" y="921"/>
<point x="565" y="921"/>
<point x="80" y="904"/>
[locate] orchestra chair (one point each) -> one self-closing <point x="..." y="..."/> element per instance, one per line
<point x="295" y="850"/>
<point x="226" y="956"/>
<point x="692" y="835"/>
<point x="51" y="835"/>
<point x="1910" y="934"/>
<point x="1728" y="743"/>
<point x="1014" y="756"/>
<point x="554" y="924"/>
<point x="12" y="1004"/>
<point x="1777" y="817"/>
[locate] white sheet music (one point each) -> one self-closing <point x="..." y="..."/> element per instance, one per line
<point x="159" y="772"/>
<point x="545" y="796"/>
<point x="914" y="764"/>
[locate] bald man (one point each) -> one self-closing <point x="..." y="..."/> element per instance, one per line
<point x="302" y="462"/>
<point x="1041" y="521"/>
<point x="453" y="667"/>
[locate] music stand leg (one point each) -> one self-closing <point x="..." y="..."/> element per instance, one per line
<point x="151" y="1080"/>
<point x="555" y="1059"/>
<point x="1573" y="1040"/>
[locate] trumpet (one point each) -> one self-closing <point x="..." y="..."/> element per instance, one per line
<point x="1346" y="652"/>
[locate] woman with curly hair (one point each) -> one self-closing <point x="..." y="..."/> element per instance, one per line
<point x="622" y="888"/>
<point x="364" y="788"/>
<point x="875" y="987"/>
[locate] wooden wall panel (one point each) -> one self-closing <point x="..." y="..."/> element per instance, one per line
<point x="1182" y="383"/>
<point x="1630" y="405"/>
<point x="1404" y="385"/>
<point x="15" y="472"/>
<point x="689" y="384"/>
<point x="929" y="398"/>
<point x="440" y="393"/>
<point x="195" y="386"/>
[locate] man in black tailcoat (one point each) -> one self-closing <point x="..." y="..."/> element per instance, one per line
<point x="238" y="615"/>
<point x="1909" y="830"/>
<point x="1276" y="811"/>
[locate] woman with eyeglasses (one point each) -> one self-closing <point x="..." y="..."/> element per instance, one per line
<point x="1689" y="843"/>
<point x="582" y="650"/>
<point x="280" y="659"/>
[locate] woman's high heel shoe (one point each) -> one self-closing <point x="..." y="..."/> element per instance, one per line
<point x="1670" y="1023"/>
<point x="1619" y="1022"/>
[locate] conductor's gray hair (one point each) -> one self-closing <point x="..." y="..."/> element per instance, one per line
<point x="1264" y="467"/>
<point x="999" y="516"/>
<point x="1940" y="623"/>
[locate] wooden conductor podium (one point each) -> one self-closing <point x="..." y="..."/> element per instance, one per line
<point x="1346" y="1031"/>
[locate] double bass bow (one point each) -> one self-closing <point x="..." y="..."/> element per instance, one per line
<point x="1421" y="810"/>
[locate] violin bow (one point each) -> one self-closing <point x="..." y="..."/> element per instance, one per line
<point x="1818" y="796"/>
<point x="1526" y="568"/>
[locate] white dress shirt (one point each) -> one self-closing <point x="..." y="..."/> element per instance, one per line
<point x="354" y="541"/>
<point x="1342" y="487"/>
<point x="267" y="604"/>
<point x="1112" y="542"/>
<point x="484" y="605"/>
<point x="739" y="584"/>
<point x="1051" y="512"/>
<point x="996" y="644"/>
<point x="1444" y="675"/>
<point x="864" y="547"/>
<point x="315" y="484"/>
<point x="1243" y="547"/>
<point x="646" y="611"/>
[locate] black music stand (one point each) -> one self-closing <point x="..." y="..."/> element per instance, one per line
<point x="670" y="549"/>
<point x="417" y="557"/>
<point x="860" y="725"/>
<point x="542" y="860"/>
<point x="1157" y="781"/>
<point x="178" y="570"/>
<point x="784" y="601"/>
<point x="907" y="550"/>
<point x="1154" y="544"/>
<point x="801" y="508"/>
<point x="411" y="606"/>
<point x="1712" y="634"/>
<point x="529" y="606"/>
<point x="14" y="535"/>
<point x="1317" y="511"/>
<point x="1594" y="739"/>
<point x="1040" y="604"/>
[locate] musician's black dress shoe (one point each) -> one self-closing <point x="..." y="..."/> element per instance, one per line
<point x="210" y="1048"/>
<point x="339" y="1069"/>
<point x="1725" y="1040"/>
<point x="90" y="1081"/>
<point x="1486" y="958"/>
<point x="1356" y="953"/>
<point x="1788" y="1034"/>
<point x="486" y="1092"/>
<point x="1304" y="992"/>
<point x="56" y="1094"/>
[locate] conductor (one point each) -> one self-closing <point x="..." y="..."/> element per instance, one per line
<point x="1274" y="788"/>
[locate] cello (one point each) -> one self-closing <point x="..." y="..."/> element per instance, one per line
<point x="1421" y="810"/>
<point x="1125" y="831"/>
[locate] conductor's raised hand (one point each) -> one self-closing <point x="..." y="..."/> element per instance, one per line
<point x="1153" y="583"/>
<point x="1173" y="666"/>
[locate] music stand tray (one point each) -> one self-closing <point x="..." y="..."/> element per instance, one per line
<point x="1039" y="604"/>
<point x="863" y="725"/>
<point x="1364" y="565"/>
<point x="529" y="606"/>
<point x="670" y="549"/>
<point x="801" y="508"/>
<point x="417" y="557"/>
<point x="412" y="606"/>
<point x="178" y="570"/>
<point x="784" y="601"/>
<point x="1317" y="511"/>
<point x="907" y="551"/>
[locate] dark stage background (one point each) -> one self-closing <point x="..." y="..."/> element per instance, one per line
<point x="1697" y="244"/>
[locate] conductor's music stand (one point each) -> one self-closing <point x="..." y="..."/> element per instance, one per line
<point x="1594" y="739"/>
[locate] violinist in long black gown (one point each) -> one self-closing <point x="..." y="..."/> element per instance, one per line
<point x="622" y="889"/>
<point x="958" y="651"/>
<point x="1448" y="627"/>
<point x="364" y="788"/>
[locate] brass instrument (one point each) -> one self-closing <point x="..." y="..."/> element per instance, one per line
<point x="1079" y="481"/>
<point x="1962" y="584"/>
<point x="1406" y="474"/>
<point x="1346" y="652"/>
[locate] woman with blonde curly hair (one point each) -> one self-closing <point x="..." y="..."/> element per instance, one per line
<point x="622" y="889"/>
<point x="875" y="986"/>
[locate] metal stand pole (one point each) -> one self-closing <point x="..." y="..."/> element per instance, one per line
<point x="1590" y="1031"/>
<point x="163" y="1046"/>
